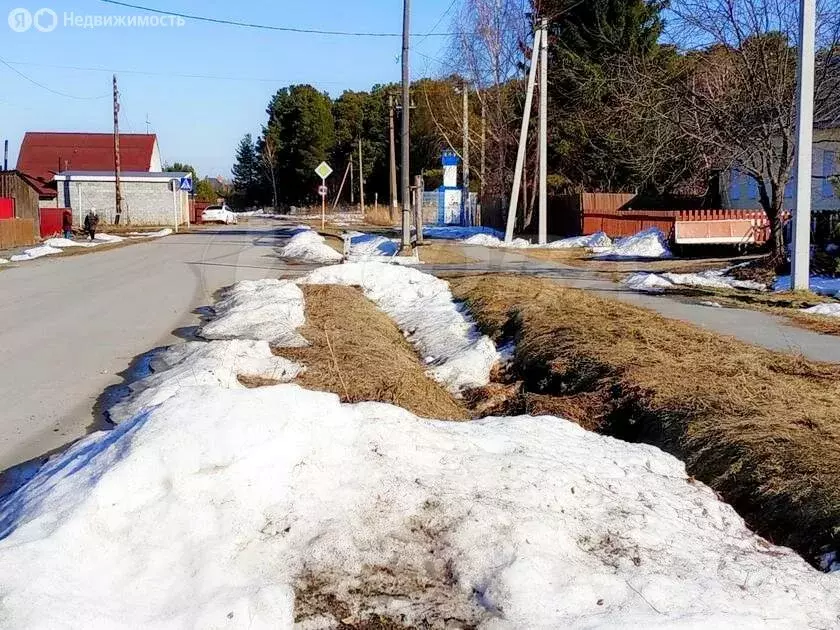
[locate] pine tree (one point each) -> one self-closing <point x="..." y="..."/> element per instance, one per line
<point x="246" y="173"/>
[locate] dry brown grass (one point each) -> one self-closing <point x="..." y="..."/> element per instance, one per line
<point x="443" y="253"/>
<point x="357" y="352"/>
<point x="380" y="215"/>
<point x="762" y="428"/>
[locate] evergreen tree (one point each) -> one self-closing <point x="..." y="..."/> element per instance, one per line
<point x="246" y="174"/>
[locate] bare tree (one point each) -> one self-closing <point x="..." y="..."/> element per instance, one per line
<point x="269" y="162"/>
<point x="735" y="94"/>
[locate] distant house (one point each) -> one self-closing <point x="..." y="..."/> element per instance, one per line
<point x="45" y="154"/>
<point x="76" y="171"/>
<point x="739" y="190"/>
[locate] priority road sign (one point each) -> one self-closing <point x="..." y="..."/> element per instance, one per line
<point x="323" y="170"/>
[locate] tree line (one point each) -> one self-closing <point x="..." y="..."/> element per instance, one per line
<point x="656" y="97"/>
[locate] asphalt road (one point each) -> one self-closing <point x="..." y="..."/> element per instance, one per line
<point x="69" y="326"/>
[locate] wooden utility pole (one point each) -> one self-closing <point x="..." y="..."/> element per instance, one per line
<point x="118" y="188"/>
<point x="352" y="183"/>
<point x="341" y="188"/>
<point x="361" y="178"/>
<point x="542" y="237"/>
<point x="483" y="149"/>
<point x="465" y="162"/>
<point x="405" y="245"/>
<point x="394" y="202"/>
<point x="418" y="208"/>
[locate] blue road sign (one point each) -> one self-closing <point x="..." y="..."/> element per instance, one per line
<point x="187" y="183"/>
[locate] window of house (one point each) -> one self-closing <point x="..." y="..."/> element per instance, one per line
<point x="827" y="171"/>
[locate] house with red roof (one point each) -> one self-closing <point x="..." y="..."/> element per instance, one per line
<point x="43" y="155"/>
<point x="76" y="171"/>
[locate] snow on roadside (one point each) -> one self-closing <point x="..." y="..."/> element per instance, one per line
<point x="61" y="243"/>
<point x="831" y="310"/>
<point x="459" y="233"/>
<point x="713" y="279"/>
<point x="108" y="238"/>
<point x="364" y="247"/>
<point x="486" y="240"/>
<point x="156" y="234"/>
<point x="4" y="261"/>
<point x="649" y="243"/>
<point x="422" y="307"/>
<point x="267" y="310"/>
<point x="204" y="511"/>
<point x="597" y="241"/>
<point x="35" y="252"/>
<point x="822" y="285"/>
<point x="309" y="246"/>
<point x="200" y="364"/>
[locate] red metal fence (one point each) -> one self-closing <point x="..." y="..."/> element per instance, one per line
<point x="51" y="221"/>
<point x="7" y="208"/>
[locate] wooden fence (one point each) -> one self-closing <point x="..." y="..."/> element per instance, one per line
<point x="16" y="233"/>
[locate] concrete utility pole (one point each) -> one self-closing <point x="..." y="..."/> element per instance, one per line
<point x="405" y="246"/>
<point x="542" y="238"/>
<point x="801" y="261"/>
<point x="465" y="161"/>
<point x="482" y="170"/>
<point x="361" y="178"/>
<point x="523" y="138"/>
<point x="117" y="187"/>
<point x="394" y="203"/>
<point x="418" y="207"/>
<point x="352" y="184"/>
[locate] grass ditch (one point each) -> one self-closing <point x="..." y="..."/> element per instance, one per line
<point x="759" y="427"/>
<point x="357" y="352"/>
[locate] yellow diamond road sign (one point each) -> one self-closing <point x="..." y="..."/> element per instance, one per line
<point x="323" y="171"/>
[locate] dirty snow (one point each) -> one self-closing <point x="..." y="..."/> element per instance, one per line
<point x="459" y="233"/>
<point x="66" y="242"/>
<point x="832" y="309"/>
<point x="360" y="244"/>
<point x="650" y="243"/>
<point x="200" y="364"/>
<point x="309" y="246"/>
<point x="486" y="240"/>
<point x="108" y="238"/>
<point x="597" y="241"/>
<point x="4" y="261"/>
<point x="268" y="310"/>
<point x="204" y="510"/>
<point x="35" y="252"/>
<point x="823" y="285"/>
<point x="713" y="279"/>
<point x="156" y="234"/>
<point x="422" y="306"/>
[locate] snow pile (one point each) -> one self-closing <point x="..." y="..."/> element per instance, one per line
<point x="459" y="233"/>
<point x="832" y="309"/>
<point x="593" y="241"/>
<point x="712" y="279"/>
<point x="362" y="245"/>
<point x="648" y="282"/>
<point x="4" y="261"/>
<point x="204" y="511"/>
<point x="423" y="308"/>
<point x="823" y="285"/>
<point x="486" y="240"/>
<point x="309" y="246"/>
<point x="157" y="234"/>
<point x="35" y="252"/>
<point x="108" y="238"/>
<point x="200" y="364"/>
<point x="66" y="242"/>
<point x="650" y="243"/>
<point x="267" y="310"/>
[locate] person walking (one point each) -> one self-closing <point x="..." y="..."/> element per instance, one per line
<point x="91" y="221"/>
<point x="67" y="223"/>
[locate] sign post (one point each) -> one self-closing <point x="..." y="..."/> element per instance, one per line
<point x="186" y="185"/>
<point x="323" y="171"/>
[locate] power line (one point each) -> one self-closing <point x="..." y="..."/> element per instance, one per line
<point x="442" y="17"/>
<point x="49" y="89"/>
<point x="269" y="27"/>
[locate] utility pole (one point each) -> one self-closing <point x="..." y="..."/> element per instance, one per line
<point x="118" y="188"/>
<point x="800" y="265"/>
<point x="361" y="178"/>
<point x="523" y="138"/>
<point x="482" y="171"/>
<point x="394" y="203"/>
<point x="418" y="207"/>
<point x="405" y="246"/>
<point x="542" y="237"/>
<point x="148" y="124"/>
<point x="352" y="184"/>
<point x="465" y="158"/>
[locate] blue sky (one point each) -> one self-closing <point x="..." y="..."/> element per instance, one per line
<point x="198" y="120"/>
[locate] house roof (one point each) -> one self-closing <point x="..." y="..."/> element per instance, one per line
<point x="44" y="154"/>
